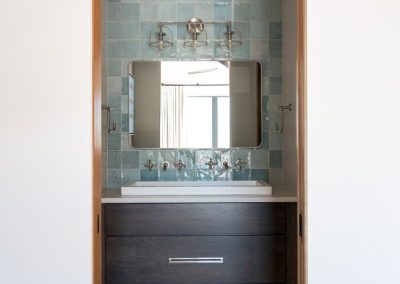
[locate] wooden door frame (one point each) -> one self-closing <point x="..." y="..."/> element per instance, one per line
<point x="96" y="140"/>
<point x="301" y="77"/>
<point x="301" y="138"/>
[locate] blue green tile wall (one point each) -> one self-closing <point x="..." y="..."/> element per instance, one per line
<point x="127" y="27"/>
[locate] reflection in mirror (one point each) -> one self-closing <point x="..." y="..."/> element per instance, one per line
<point x="195" y="104"/>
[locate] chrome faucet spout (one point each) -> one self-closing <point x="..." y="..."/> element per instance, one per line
<point x="165" y="165"/>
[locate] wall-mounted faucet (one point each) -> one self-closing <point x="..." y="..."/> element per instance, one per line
<point x="165" y="165"/>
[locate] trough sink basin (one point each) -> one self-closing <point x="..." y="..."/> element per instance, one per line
<point x="250" y="187"/>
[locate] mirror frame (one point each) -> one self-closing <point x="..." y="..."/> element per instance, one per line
<point x="260" y="146"/>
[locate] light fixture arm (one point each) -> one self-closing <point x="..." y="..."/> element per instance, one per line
<point x="195" y="27"/>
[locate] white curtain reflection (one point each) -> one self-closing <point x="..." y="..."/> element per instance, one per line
<point x="171" y="120"/>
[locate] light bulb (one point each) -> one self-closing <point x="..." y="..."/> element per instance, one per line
<point x="229" y="44"/>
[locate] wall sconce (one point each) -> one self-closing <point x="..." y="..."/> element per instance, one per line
<point x="196" y="35"/>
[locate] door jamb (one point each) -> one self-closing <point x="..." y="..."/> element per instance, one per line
<point x="301" y="138"/>
<point x="96" y="141"/>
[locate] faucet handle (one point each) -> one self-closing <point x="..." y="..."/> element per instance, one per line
<point x="211" y="163"/>
<point x="240" y="163"/>
<point x="225" y="164"/>
<point x="180" y="165"/>
<point x="150" y="165"/>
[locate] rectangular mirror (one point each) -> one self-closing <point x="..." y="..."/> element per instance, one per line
<point x="195" y="104"/>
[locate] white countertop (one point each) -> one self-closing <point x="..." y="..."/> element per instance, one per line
<point x="113" y="195"/>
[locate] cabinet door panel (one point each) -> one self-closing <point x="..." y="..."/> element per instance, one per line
<point x="146" y="259"/>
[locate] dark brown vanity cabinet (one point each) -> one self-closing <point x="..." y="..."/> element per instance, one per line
<point x="200" y="243"/>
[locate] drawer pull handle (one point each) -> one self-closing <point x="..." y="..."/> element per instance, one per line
<point x="174" y="260"/>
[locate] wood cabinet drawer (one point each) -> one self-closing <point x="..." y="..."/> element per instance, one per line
<point x="194" y="219"/>
<point x="246" y="259"/>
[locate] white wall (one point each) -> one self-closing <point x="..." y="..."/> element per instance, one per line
<point x="45" y="142"/>
<point x="354" y="141"/>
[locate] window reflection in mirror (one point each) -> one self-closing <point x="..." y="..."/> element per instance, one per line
<point x="194" y="105"/>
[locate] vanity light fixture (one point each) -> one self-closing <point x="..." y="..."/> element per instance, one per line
<point x="159" y="39"/>
<point x="229" y="39"/>
<point x="196" y="36"/>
